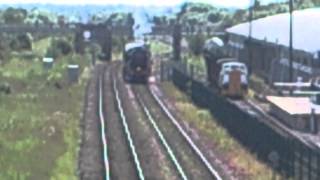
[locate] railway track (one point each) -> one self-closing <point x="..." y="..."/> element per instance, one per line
<point x="187" y="152"/>
<point x="103" y="132"/>
<point x="156" y="158"/>
<point x="163" y="140"/>
<point x="140" y="138"/>
<point x="129" y="154"/>
<point x="118" y="152"/>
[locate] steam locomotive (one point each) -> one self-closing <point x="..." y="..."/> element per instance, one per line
<point x="137" y="62"/>
<point x="228" y="74"/>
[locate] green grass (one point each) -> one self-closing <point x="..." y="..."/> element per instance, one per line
<point x="20" y="69"/>
<point x="40" y="47"/>
<point x="234" y="154"/>
<point x="158" y="47"/>
<point x="39" y="124"/>
<point x="197" y="62"/>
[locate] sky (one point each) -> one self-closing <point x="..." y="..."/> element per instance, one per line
<point x="223" y="3"/>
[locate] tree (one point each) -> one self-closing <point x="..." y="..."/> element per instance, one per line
<point x="160" y="20"/>
<point x="59" y="47"/>
<point x="257" y="4"/>
<point x="14" y="16"/>
<point x="61" y="21"/>
<point x="316" y="2"/>
<point x="214" y="17"/>
<point x="44" y="19"/>
<point x="22" y="42"/>
<point x="196" y="43"/>
<point x="240" y="15"/>
<point x="130" y="22"/>
<point x="157" y="20"/>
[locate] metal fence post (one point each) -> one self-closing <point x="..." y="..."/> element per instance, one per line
<point x="318" y="166"/>
<point x="301" y="161"/>
<point x="309" y="163"/>
<point x="185" y="68"/>
<point x="293" y="157"/>
<point x="161" y="71"/>
<point x="192" y="71"/>
<point x="170" y="71"/>
<point x="196" y="74"/>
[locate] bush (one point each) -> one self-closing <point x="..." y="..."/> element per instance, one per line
<point x="118" y="43"/>
<point x="5" y="88"/>
<point x="4" y="50"/>
<point x="59" y="47"/>
<point x="22" y="42"/>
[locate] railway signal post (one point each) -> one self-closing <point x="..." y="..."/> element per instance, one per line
<point x="250" y="36"/>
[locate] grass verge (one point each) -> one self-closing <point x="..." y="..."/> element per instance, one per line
<point x="158" y="47"/>
<point x="234" y="154"/>
<point x="39" y="124"/>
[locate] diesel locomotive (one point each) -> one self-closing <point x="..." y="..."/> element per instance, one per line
<point x="137" y="62"/>
<point x="227" y="74"/>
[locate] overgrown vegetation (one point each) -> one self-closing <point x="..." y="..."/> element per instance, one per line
<point x="197" y="62"/>
<point x="22" y="42"/>
<point x="59" y="47"/>
<point x="158" y="47"/>
<point x="196" y="43"/>
<point x="39" y="124"/>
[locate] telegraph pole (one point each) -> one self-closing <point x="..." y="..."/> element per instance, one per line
<point x="290" y="43"/>
<point x="250" y="35"/>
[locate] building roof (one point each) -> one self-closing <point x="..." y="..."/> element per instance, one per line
<point x="234" y="64"/>
<point x="225" y="60"/>
<point x="294" y="105"/>
<point x="275" y="29"/>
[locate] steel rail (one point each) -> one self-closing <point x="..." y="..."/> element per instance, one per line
<point x="103" y="132"/>
<point x="213" y="172"/>
<point x="127" y="131"/>
<point x="162" y="139"/>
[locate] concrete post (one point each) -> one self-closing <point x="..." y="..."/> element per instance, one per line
<point x="73" y="73"/>
<point x="47" y="63"/>
<point x="161" y="71"/>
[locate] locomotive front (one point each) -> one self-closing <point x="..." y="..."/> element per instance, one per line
<point x="233" y="79"/>
<point x="137" y="63"/>
<point x="227" y="74"/>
